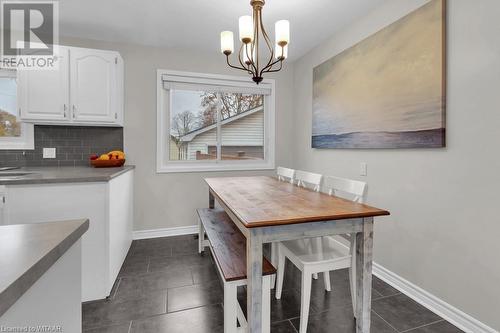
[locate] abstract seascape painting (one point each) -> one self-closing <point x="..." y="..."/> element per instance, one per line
<point x="389" y="90"/>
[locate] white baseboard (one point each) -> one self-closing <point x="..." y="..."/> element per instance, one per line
<point x="455" y="316"/>
<point x="165" y="232"/>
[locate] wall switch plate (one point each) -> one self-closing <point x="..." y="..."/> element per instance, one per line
<point x="363" y="169"/>
<point x="49" y="153"/>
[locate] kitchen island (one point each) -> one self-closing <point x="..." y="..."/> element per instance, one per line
<point x="104" y="196"/>
<point x="40" y="276"/>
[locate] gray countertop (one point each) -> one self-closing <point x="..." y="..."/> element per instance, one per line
<point x="48" y="175"/>
<point x="29" y="250"/>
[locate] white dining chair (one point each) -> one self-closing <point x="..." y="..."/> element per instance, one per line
<point x="285" y="174"/>
<point x="312" y="181"/>
<point x="308" y="179"/>
<point x="326" y="254"/>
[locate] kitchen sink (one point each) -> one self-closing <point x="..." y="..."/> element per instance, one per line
<point x="8" y="168"/>
<point x="14" y="175"/>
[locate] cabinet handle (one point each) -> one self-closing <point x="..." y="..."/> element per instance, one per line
<point x="65" y="108"/>
<point x="116" y="115"/>
<point x="74" y="109"/>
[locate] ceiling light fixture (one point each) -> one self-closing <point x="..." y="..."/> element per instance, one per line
<point x="252" y="33"/>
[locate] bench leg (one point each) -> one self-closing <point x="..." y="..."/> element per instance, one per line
<point x="230" y="308"/>
<point x="201" y="236"/>
<point x="266" y="304"/>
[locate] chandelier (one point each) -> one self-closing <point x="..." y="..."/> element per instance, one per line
<point x="252" y="37"/>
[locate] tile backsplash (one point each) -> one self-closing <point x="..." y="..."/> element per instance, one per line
<point x="74" y="145"/>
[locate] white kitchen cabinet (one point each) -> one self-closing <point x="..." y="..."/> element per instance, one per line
<point x="44" y="94"/>
<point x="94" y="86"/>
<point x="86" y="89"/>
<point x="109" y="208"/>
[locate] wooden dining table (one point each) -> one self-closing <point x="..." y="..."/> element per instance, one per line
<point x="268" y="210"/>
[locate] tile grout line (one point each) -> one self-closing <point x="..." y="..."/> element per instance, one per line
<point x="429" y="324"/>
<point x="385" y="321"/>
<point x="385" y="297"/>
<point x="187" y="309"/>
<point x="290" y="321"/>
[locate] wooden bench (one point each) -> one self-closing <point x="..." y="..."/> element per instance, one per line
<point x="228" y="247"/>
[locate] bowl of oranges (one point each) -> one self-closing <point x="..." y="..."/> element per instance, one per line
<point x="115" y="158"/>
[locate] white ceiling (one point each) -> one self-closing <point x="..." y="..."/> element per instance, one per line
<point x="196" y="24"/>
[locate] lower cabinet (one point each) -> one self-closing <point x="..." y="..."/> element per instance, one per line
<point x="108" y="206"/>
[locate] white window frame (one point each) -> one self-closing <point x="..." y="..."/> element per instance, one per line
<point x="164" y="165"/>
<point x="27" y="138"/>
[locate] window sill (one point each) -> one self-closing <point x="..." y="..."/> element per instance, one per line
<point x="213" y="167"/>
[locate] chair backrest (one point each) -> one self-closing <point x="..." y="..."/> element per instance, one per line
<point x="354" y="189"/>
<point x="308" y="179"/>
<point x="285" y="174"/>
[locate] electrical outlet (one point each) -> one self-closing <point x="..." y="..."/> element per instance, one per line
<point x="363" y="169"/>
<point x="49" y="153"/>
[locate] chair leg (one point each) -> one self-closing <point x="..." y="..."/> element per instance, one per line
<point x="305" y="299"/>
<point x="352" y="273"/>
<point x="241" y="317"/>
<point x="280" y="272"/>
<point x="201" y="236"/>
<point x="274" y="261"/>
<point x="230" y="308"/>
<point x="315" y="246"/>
<point x="266" y="304"/>
<point x="326" y="277"/>
<point x="352" y="280"/>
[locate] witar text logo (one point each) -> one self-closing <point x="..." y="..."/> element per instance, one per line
<point x="30" y="34"/>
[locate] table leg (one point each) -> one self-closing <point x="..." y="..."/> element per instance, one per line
<point x="254" y="282"/>
<point x="364" y="254"/>
<point x="211" y="200"/>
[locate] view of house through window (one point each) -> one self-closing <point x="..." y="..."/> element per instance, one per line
<point x="195" y="118"/>
<point x="9" y="124"/>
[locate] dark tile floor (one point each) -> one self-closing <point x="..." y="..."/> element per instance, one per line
<point x="165" y="286"/>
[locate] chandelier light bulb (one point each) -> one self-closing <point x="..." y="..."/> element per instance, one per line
<point x="226" y="42"/>
<point x="246" y="29"/>
<point x="282" y="32"/>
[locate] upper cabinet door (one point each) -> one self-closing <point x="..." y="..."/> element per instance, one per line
<point x="44" y="94"/>
<point x="93" y="86"/>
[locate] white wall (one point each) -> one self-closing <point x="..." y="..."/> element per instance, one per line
<point x="170" y="200"/>
<point x="443" y="234"/>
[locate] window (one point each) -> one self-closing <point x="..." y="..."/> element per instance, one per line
<point x="214" y="122"/>
<point x="13" y="133"/>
